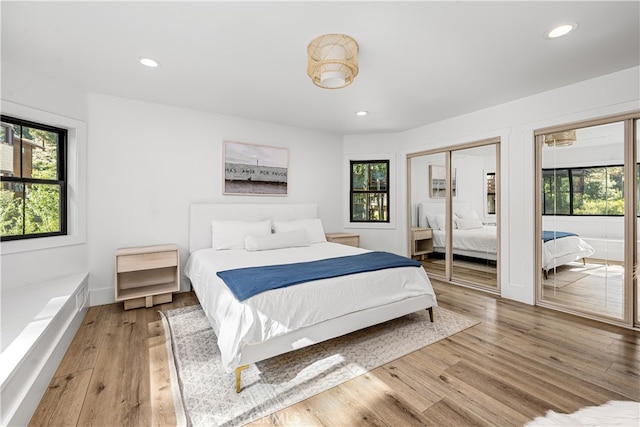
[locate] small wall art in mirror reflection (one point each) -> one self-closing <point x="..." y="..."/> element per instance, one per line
<point x="437" y="182"/>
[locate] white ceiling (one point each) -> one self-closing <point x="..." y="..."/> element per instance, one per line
<point x="420" y="62"/>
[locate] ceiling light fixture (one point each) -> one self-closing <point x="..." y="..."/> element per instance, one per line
<point x="362" y="113"/>
<point x="148" y="62"/>
<point x="561" y="30"/>
<point x="560" y="139"/>
<point x="332" y="61"/>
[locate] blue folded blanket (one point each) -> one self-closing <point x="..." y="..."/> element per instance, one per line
<point x="550" y="235"/>
<point x="249" y="281"/>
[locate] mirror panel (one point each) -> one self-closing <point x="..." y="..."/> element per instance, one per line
<point x="583" y="219"/>
<point x="475" y="235"/>
<point x="428" y="183"/>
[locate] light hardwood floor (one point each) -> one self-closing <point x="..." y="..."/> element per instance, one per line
<point x="519" y="362"/>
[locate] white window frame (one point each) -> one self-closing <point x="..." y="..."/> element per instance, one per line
<point x="76" y="179"/>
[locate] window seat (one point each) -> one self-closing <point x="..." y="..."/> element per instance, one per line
<point x="39" y="321"/>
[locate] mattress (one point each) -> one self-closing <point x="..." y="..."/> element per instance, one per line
<point x="280" y="311"/>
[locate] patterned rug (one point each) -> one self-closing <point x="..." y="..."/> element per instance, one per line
<point x="205" y="394"/>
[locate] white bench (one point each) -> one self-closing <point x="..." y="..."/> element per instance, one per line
<point x="39" y="321"/>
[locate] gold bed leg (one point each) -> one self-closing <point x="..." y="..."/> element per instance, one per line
<point x="239" y="370"/>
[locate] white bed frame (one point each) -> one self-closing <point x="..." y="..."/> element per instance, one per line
<point x="201" y="215"/>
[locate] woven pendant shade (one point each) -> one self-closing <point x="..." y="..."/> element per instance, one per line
<point x="560" y="139"/>
<point x="332" y="61"/>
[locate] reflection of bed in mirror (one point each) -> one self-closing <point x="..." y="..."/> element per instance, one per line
<point x="471" y="238"/>
<point x="560" y="248"/>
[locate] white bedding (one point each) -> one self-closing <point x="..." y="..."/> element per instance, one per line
<point x="481" y="243"/>
<point x="277" y="312"/>
<point x="566" y="249"/>
<point x="482" y="240"/>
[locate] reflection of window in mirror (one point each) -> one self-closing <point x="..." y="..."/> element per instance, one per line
<point x="491" y="193"/>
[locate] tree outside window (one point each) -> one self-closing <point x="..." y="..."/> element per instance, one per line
<point x="369" y="191"/>
<point x="597" y="190"/>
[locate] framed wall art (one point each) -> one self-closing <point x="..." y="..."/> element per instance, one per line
<point x="251" y="169"/>
<point x="437" y="181"/>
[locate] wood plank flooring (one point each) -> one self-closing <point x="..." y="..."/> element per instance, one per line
<point x="519" y="362"/>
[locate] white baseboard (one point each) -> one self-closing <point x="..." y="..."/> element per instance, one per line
<point x="102" y="296"/>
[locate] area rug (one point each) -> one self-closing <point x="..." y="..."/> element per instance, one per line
<point x="205" y="394"/>
<point x="613" y="413"/>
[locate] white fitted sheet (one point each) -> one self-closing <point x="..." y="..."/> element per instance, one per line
<point x="557" y="252"/>
<point x="481" y="240"/>
<point x="280" y="311"/>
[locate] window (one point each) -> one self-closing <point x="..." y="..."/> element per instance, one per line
<point x="491" y="193"/>
<point x="33" y="179"/>
<point x="597" y="190"/>
<point x="369" y="191"/>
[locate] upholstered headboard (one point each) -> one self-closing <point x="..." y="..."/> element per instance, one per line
<point x="201" y="215"/>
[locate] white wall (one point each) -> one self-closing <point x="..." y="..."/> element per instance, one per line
<point x="148" y="162"/>
<point x="26" y="88"/>
<point x="514" y="122"/>
<point x="145" y="164"/>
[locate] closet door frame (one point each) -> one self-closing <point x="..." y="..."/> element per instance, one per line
<point x="630" y="310"/>
<point x="447" y="151"/>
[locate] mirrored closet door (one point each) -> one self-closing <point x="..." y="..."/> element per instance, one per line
<point x="587" y="226"/>
<point x="454" y="197"/>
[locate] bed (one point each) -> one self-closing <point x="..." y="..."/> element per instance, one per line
<point x="262" y="326"/>
<point x="474" y="239"/>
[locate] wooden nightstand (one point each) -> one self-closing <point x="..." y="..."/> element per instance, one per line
<point x="147" y="275"/>
<point x="421" y="241"/>
<point x="349" y="239"/>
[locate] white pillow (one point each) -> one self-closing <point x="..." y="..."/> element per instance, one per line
<point x="265" y="242"/>
<point x="314" y="229"/>
<point x="467" y="215"/>
<point x="468" y="223"/>
<point x="441" y="222"/>
<point x="432" y="223"/>
<point x="230" y="234"/>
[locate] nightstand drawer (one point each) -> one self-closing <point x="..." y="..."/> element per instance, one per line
<point x="146" y="261"/>
<point x="422" y="234"/>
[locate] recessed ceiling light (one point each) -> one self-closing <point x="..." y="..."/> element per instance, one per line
<point x="362" y="113"/>
<point x="561" y="30"/>
<point x="148" y="62"/>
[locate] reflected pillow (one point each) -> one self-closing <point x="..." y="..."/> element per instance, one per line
<point x="468" y="224"/>
<point x="440" y="222"/>
<point x="431" y="221"/>
<point x="231" y="234"/>
<point x="467" y="215"/>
